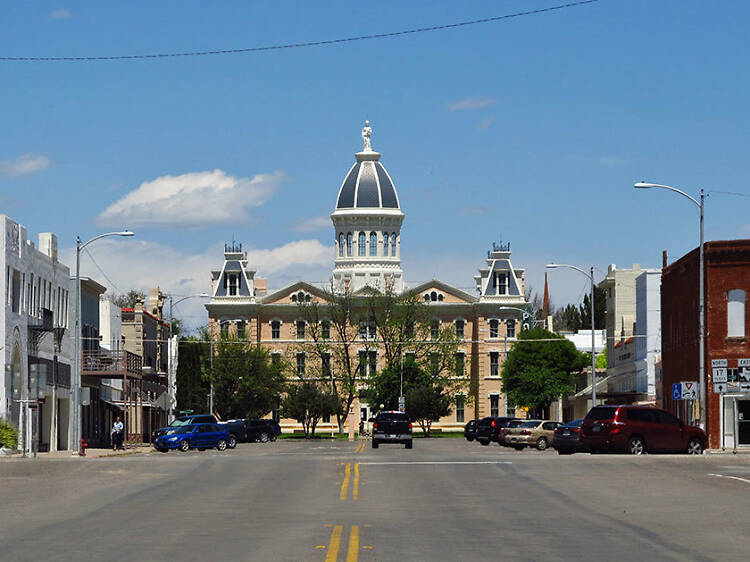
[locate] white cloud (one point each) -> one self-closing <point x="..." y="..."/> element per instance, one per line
<point x="24" y="165"/>
<point x="485" y="124"/>
<point x="140" y="264"/>
<point x="470" y="103"/>
<point x="312" y="224"/>
<point x="193" y="199"/>
<point x="61" y="14"/>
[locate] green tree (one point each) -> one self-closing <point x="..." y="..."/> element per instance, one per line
<point x="600" y="309"/>
<point x="246" y="382"/>
<point x="128" y="300"/>
<point x="601" y="360"/>
<point x="308" y="403"/>
<point x="427" y="404"/>
<point x="567" y="319"/>
<point x="8" y="435"/>
<point x="539" y="368"/>
<point x="192" y="386"/>
<point x="385" y="387"/>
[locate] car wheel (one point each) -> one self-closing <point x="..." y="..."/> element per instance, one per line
<point x="375" y="444"/>
<point x="485" y="443"/>
<point x="695" y="447"/>
<point x="232" y="441"/>
<point x="636" y="445"/>
<point x="541" y="443"/>
<point x="221" y="445"/>
<point x="408" y="444"/>
<point x="184" y="446"/>
<point x="263" y="437"/>
<point x="162" y="449"/>
<point x="273" y="437"/>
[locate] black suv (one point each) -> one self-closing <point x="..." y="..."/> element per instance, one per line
<point x="183" y="420"/>
<point x="488" y="428"/>
<point x="262" y="430"/>
<point x="391" y="427"/>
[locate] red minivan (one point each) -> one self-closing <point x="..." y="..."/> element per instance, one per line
<point x="639" y="429"/>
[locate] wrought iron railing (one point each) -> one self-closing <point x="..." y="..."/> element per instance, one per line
<point x="104" y="362"/>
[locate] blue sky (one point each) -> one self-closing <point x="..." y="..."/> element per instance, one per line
<point x="531" y="129"/>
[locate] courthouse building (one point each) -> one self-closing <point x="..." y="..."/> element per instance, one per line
<point x="366" y="223"/>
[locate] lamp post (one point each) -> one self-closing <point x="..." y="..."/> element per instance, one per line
<point x="701" y="304"/>
<point x="171" y="304"/>
<point x="76" y="402"/>
<point x="593" y="339"/>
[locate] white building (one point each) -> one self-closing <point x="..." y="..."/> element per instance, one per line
<point x="582" y="340"/>
<point x="37" y="344"/>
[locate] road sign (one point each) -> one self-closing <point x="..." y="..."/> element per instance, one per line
<point x="689" y="390"/>
<point x="718" y="362"/>
<point x="677" y="391"/>
<point x="720" y="387"/>
<point x="401" y="404"/>
<point x="743" y="362"/>
<point x="744" y="375"/>
<point x="719" y="374"/>
<point x="745" y="387"/>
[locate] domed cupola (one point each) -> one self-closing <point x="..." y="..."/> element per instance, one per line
<point x="368" y="222"/>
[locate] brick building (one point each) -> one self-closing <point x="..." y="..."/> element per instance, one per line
<point x="367" y="239"/>
<point x="727" y="284"/>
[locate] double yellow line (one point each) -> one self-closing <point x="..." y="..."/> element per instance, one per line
<point x="361" y="447"/>
<point x="352" y="553"/>
<point x="347" y="478"/>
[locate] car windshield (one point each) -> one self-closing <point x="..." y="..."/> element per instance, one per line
<point x="602" y="413"/>
<point x="533" y="423"/>
<point x="178" y="422"/>
<point x="574" y="423"/>
<point x="181" y="429"/>
<point x="515" y="423"/>
<point x="393" y="417"/>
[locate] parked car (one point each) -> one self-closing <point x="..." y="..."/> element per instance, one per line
<point x="639" y="429"/>
<point x="199" y="436"/>
<point x="262" y="430"/>
<point x="183" y="420"/>
<point x="567" y="438"/>
<point x="391" y="427"/>
<point x="487" y="428"/>
<point x="536" y="433"/>
<point x="503" y="430"/>
<point x="470" y="430"/>
<point x="498" y="427"/>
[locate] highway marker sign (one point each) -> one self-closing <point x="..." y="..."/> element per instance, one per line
<point x="719" y="374"/>
<point x="720" y="387"/>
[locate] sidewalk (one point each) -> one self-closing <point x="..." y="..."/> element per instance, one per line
<point x="90" y="454"/>
<point x="729" y="451"/>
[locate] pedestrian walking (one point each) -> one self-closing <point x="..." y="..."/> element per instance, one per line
<point x="117" y="429"/>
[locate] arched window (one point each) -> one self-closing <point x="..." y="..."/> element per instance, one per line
<point x="294" y="298"/>
<point x="341" y="244"/>
<point x="373" y="244"/>
<point x="393" y="244"/>
<point x="349" y="244"/>
<point x="440" y="298"/>
<point x="736" y="313"/>
<point x="361" y="244"/>
<point x="427" y="297"/>
<point x="385" y="244"/>
<point x="494" y="328"/>
<point x="433" y="296"/>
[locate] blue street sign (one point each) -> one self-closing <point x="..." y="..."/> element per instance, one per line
<point x="677" y="391"/>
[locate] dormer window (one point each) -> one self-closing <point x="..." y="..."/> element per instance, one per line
<point x="232" y="283"/>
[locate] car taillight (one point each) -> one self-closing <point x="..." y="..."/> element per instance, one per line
<point x="375" y="426"/>
<point x="409" y="426"/>
<point x="494" y="424"/>
<point x="576" y="429"/>
<point x="526" y="432"/>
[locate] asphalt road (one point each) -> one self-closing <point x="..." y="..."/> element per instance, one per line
<point x="444" y="500"/>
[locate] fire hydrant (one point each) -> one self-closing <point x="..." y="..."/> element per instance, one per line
<point x="83" y="447"/>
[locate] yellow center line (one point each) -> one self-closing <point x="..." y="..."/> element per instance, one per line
<point x="333" y="546"/>
<point x="355" y="485"/>
<point x="345" y="483"/>
<point x="353" y="553"/>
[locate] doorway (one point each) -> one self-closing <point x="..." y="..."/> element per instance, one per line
<point x="743" y="422"/>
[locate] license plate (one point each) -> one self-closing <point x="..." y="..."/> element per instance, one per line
<point x="391" y="436"/>
<point x="566" y="432"/>
<point x="596" y="429"/>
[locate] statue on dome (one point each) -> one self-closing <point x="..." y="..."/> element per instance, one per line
<point x="366" y="136"/>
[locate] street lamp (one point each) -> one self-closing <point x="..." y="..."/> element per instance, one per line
<point x="171" y="304"/>
<point x="77" y="338"/>
<point x="593" y="340"/>
<point x="701" y="304"/>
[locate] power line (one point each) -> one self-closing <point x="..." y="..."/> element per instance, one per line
<point x="301" y="44"/>
<point x="730" y="193"/>
<point x="102" y="271"/>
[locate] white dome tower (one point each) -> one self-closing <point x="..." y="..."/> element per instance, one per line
<point x="367" y="223"/>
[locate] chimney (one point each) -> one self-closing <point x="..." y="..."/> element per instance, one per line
<point x="664" y="259"/>
<point x="545" y="301"/>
